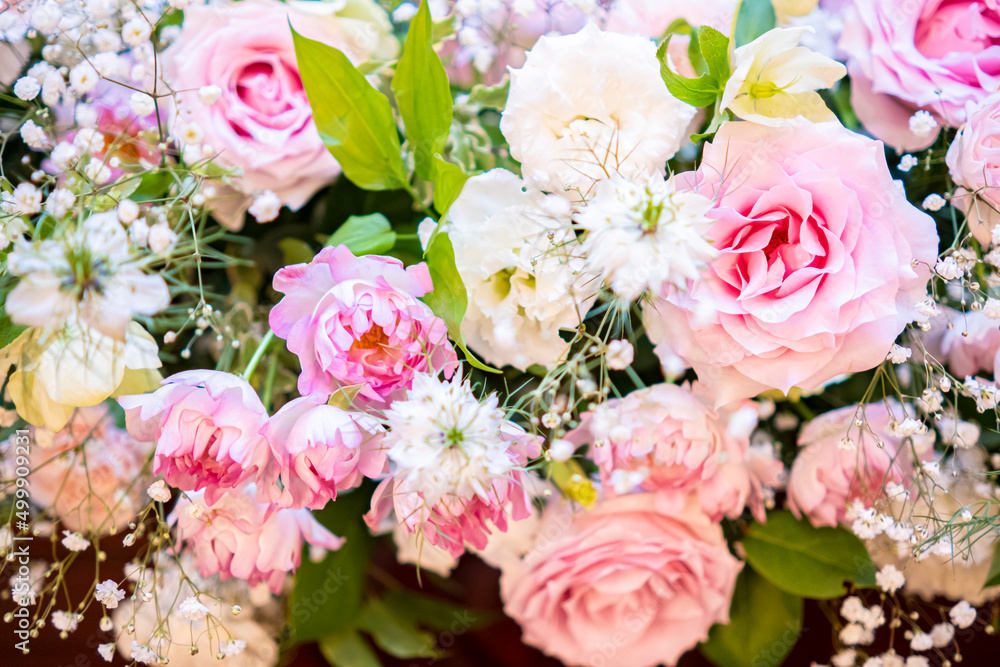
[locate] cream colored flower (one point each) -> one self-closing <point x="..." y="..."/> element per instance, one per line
<point x="775" y="80"/>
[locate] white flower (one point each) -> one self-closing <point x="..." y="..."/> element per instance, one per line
<point x="161" y="238"/>
<point x="619" y="355"/>
<point x="404" y="12"/>
<point x="855" y="634"/>
<point x="141" y="104"/>
<point x="142" y="653"/>
<point x="521" y="265"/>
<point x="159" y="491"/>
<point x="844" y="658"/>
<point x="108" y="594"/>
<point x="232" y="647"/>
<point x="97" y="171"/>
<point x="179" y="4"/>
<point x="190" y="134"/>
<point x="66" y="621"/>
<point x="209" y="95"/>
<point x="138" y="232"/>
<point x="551" y="420"/>
<point x="127" y="211"/>
<point x="74" y="541"/>
<point x="265" y="207"/>
<point x="59" y="202"/>
<point x="922" y="124"/>
<point x="45" y="17"/>
<point x="107" y="651"/>
<point x="25" y="200"/>
<point x="963" y="614"/>
<point x="83" y="78"/>
<point x="53" y="87"/>
<point x="588" y="105"/>
<point x="948" y="269"/>
<point x="64" y="155"/>
<point x="890" y="579"/>
<point x="934" y="202"/>
<point x="561" y="450"/>
<point x="921" y="642"/>
<point x="645" y="235"/>
<point x="192" y="610"/>
<point x="908" y="162"/>
<point x="899" y="354"/>
<point x="33" y="135"/>
<point x="942" y="634"/>
<point x="774" y="80"/>
<point x="958" y="432"/>
<point x="136" y="31"/>
<point x="991" y="309"/>
<point x="917" y="661"/>
<point x="27" y="88"/>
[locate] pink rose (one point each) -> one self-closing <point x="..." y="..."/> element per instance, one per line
<point x="358" y="321"/>
<point x="318" y="449"/>
<point x="841" y="462"/>
<point x="634" y="582"/>
<point x="239" y="537"/>
<point x="262" y="124"/>
<point x="671" y="439"/>
<point x="91" y="476"/>
<point x="206" y="428"/>
<point x="974" y="163"/>
<point x="910" y="55"/>
<point x="821" y="261"/>
<point x="970" y="346"/>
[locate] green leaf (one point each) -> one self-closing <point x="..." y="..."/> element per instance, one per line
<point x="764" y="624"/>
<point x="396" y="634"/>
<point x="754" y="19"/>
<point x="443" y="29"/>
<point x="491" y="97"/>
<point x="365" y="234"/>
<point x="326" y="598"/>
<point x="348" y="649"/>
<point x="436" y="613"/>
<point x="343" y="398"/>
<point x="448" y="183"/>
<point x="700" y="92"/>
<point x="807" y="561"/>
<point x="152" y="185"/>
<point x="295" y="251"/>
<point x="354" y="120"/>
<point x="714" y="48"/>
<point x="449" y="299"/>
<point x="993" y="578"/>
<point x="423" y="96"/>
<point x="8" y="330"/>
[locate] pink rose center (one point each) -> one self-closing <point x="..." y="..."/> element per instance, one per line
<point x="957" y="26"/>
<point x="269" y="102"/>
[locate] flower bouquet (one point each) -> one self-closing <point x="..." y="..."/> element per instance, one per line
<point x="680" y="317"/>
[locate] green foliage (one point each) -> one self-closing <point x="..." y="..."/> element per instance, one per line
<point x="423" y="96"/>
<point x="491" y="97"/>
<point x="448" y="184"/>
<point x="807" y="561"/>
<point x="365" y="235"/>
<point x="764" y="625"/>
<point x="394" y="633"/>
<point x="348" y="649"/>
<point x="993" y="578"/>
<point x="713" y="48"/>
<point x="755" y="17"/>
<point x="354" y="120"/>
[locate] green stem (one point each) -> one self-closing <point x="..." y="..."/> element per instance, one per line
<point x="258" y="354"/>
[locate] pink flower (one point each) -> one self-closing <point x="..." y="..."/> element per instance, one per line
<point x="262" y="124"/>
<point x="239" y="537"/>
<point x="206" y="428"/>
<point x="672" y="439"/>
<point x="318" y="449"/>
<point x="91" y="475"/>
<point x="634" y="582"/>
<point x="970" y="346"/>
<point x="910" y="55"/>
<point x="821" y="261"/>
<point x="974" y="163"/>
<point x="357" y="321"/>
<point x="841" y="462"/>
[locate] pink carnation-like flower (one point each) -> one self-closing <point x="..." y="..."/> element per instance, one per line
<point x="262" y="123"/>
<point x="841" y="462"/>
<point x="90" y="475"/>
<point x="239" y="537"/>
<point x="970" y="346"/>
<point x="672" y="440"/>
<point x="634" y="582"/>
<point x="909" y="55"/>
<point x="974" y="162"/>
<point x="318" y="449"/>
<point x="821" y="261"/>
<point x="358" y="321"/>
<point x="206" y="428"/>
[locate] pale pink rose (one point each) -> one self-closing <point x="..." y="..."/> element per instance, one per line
<point x="635" y="582"/>
<point x="318" y="449"/>
<point x="974" y="163"/>
<point x="815" y="275"/>
<point x="677" y="443"/>
<point x="239" y="537"/>
<point x="910" y="55"/>
<point x="454" y="521"/>
<point x="262" y="125"/>
<point x="840" y="462"/>
<point x="358" y="321"/>
<point x="970" y="346"/>
<point x="92" y="476"/>
<point x="206" y="428"/>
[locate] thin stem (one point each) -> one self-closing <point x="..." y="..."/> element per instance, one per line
<point x="258" y="354"/>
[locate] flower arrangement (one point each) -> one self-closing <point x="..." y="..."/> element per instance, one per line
<point x="683" y="318"/>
